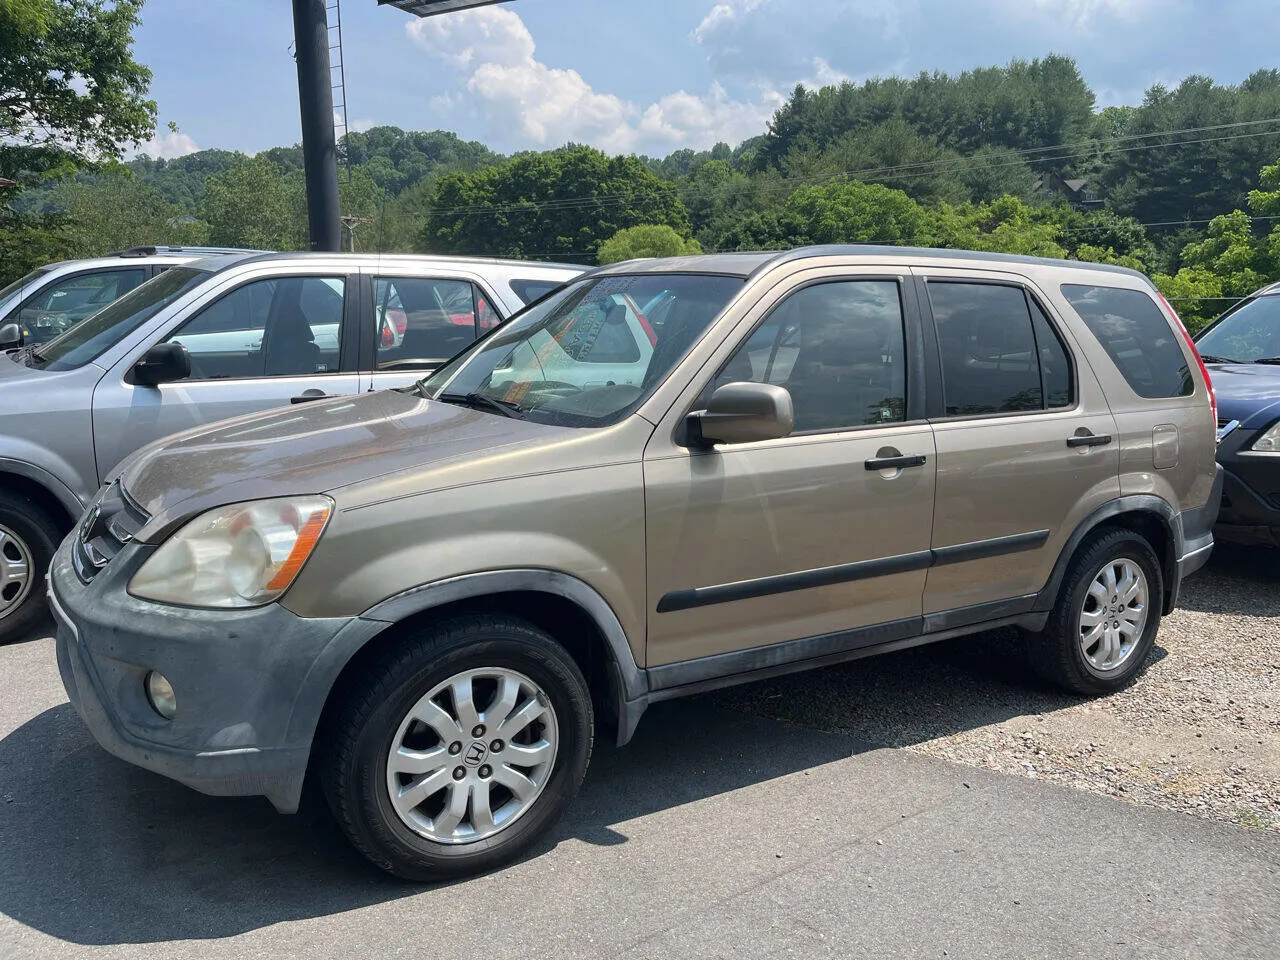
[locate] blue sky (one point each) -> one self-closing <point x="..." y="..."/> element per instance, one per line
<point x="652" y="75"/>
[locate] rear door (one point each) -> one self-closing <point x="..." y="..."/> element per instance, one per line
<point x="1025" y="443"/>
<point x="414" y="324"/>
<point x="266" y="342"/>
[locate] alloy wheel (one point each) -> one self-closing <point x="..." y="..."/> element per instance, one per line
<point x="15" y="571"/>
<point x="472" y="755"/>
<point x="1114" y="615"/>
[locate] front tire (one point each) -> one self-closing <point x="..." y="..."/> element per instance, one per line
<point x="458" y="748"/>
<point x="1105" y="622"/>
<point x="28" y="539"/>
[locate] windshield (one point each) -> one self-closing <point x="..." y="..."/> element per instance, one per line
<point x="1247" y="334"/>
<point x="89" y="338"/>
<point x="590" y="353"/>
<point x="23" y="281"/>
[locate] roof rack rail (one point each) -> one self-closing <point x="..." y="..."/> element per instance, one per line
<point x="151" y="251"/>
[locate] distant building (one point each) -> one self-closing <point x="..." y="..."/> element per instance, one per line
<point x="1076" y="192"/>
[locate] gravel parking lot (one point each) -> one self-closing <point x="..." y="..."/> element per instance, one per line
<point x="1199" y="732"/>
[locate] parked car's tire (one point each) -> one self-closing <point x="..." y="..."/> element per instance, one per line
<point x="1105" y="622"/>
<point x="458" y="748"/>
<point x="28" y="538"/>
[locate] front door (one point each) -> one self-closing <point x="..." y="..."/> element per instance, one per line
<point x="805" y="536"/>
<point x="265" y="343"/>
<point x="1025" y="442"/>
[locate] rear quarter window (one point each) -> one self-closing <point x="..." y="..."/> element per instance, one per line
<point x="1137" y="337"/>
<point x="531" y="290"/>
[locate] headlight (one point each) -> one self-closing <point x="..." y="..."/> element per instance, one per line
<point x="1269" y="442"/>
<point x="239" y="556"/>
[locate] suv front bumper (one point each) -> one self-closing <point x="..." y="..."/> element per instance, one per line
<point x="250" y="684"/>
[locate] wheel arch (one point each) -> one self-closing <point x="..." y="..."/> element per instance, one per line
<point x="1151" y="516"/>
<point x="564" y="606"/>
<point x="43" y="488"/>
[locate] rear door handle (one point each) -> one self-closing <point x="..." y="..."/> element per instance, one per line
<point x="308" y="395"/>
<point x="1089" y="440"/>
<point x="896" y="463"/>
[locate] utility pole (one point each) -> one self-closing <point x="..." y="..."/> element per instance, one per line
<point x="319" y="148"/>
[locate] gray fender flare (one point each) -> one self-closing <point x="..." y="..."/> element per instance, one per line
<point x="631" y="681"/>
<point x="1132" y="503"/>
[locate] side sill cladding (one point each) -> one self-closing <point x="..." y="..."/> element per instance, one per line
<point x="1133" y="503"/>
<point x="631" y="680"/>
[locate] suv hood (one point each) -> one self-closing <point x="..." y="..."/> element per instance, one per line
<point x="314" y="448"/>
<point x="1248" y="392"/>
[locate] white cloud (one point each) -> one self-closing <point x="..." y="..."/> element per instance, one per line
<point x="524" y="99"/>
<point x="166" y="147"/>
<point x="721" y="15"/>
<point x="1080" y="13"/>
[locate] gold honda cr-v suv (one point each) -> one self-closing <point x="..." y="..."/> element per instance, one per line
<point x="666" y="476"/>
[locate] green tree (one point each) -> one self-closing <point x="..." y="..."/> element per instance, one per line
<point x="560" y="204"/>
<point x="253" y="205"/>
<point x="68" y="80"/>
<point x="647" y="240"/>
<point x="118" y="211"/>
<point x="1194" y="176"/>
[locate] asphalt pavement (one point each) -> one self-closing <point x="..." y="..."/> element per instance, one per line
<point x="713" y="834"/>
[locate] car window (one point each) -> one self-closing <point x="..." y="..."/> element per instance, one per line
<point x="839" y="350"/>
<point x="994" y="354"/>
<point x="88" y="340"/>
<point x="67" y="301"/>
<point x="1137" y="336"/>
<point x="423" y="322"/>
<point x="584" y="356"/>
<point x="1250" y="332"/>
<point x="23" y="281"/>
<point x="1059" y="384"/>
<point x="282" y="326"/>
<point x="531" y="290"/>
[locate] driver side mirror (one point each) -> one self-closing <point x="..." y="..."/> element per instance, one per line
<point x="741" y="413"/>
<point x="163" y="363"/>
<point x="10" y="336"/>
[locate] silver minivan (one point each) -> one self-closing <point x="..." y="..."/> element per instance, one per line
<point x="213" y="339"/>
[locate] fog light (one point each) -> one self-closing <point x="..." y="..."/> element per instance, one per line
<point x="161" y="696"/>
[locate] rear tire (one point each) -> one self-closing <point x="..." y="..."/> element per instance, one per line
<point x="1106" y="618"/>
<point x="28" y="539"/>
<point x="431" y="765"/>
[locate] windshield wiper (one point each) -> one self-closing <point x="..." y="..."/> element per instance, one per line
<point x="1210" y="358"/>
<point x="478" y="401"/>
<point x="1274" y="361"/>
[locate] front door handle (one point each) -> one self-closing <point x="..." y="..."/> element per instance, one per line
<point x="308" y="395"/>
<point x="1089" y="440"/>
<point x="896" y="463"/>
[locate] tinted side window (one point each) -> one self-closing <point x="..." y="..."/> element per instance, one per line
<point x="422" y="321"/>
<point x="838" y="348"/>
<point x="1137" y="337"/>
<point x="531" y="290"/>
<point x="989" y="359"/>
<point x="1054" y="365"/>
<point x="287" y="326"/>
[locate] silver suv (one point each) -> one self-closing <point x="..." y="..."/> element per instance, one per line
<point x="212" y="339"/>
<point x="51" y="299"/>
<point x="669" y="476"/>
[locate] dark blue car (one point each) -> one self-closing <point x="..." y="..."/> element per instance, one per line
<point x="1242" y="351"/>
